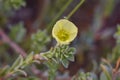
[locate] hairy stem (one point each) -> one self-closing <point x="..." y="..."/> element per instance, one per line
<point x="75" y="9"/>
<point x="59" y="14"/>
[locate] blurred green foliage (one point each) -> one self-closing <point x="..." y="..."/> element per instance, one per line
<point x="60" y="54"/>
<point x="17" y="32"/>
<point x="82" y="76"/>
<point x="12" y="4"/>
<point x="39" y="41"/>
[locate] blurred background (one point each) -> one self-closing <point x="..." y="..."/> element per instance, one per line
<point x="21" y="21"/>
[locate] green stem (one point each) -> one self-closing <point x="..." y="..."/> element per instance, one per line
<point x="58" y="15"/>
<point x="75" y="9"/>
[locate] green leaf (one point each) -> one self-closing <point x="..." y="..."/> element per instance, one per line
<point x="4" y="70"/>
<point x="71" y="58"/>
<point x="17" y="63"/>
<point x="21" y="71"/>
<point x="47" y="55"/>
<point x="72" y="50"/>
<point x="65" y="63"/>
<point x="108" y="76"/>
<point x="29" y="58"/>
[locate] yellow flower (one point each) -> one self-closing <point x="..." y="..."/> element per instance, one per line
<point x="64" y="31"/>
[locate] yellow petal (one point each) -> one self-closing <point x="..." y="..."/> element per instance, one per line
<point x="64" y="31"/>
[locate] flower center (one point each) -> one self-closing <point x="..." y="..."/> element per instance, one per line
<point x="63" y="35"/>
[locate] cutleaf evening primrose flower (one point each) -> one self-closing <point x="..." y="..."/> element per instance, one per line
<point x="64" y="31"/>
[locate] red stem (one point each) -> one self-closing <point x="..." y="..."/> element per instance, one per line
<point x="7" y="40"/>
